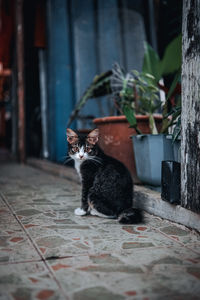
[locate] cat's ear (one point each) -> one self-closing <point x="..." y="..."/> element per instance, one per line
<point x="93" y="136"/>
<point x="72" y="137"/>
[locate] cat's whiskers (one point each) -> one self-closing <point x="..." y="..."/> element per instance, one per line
<point x="68" y="158"/>
<point x="65" y="156"/>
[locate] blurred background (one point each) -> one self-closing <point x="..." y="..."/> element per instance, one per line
<point x="50" y="51"/>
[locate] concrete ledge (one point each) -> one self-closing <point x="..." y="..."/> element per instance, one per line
<point x="148" y="200"/>
<point x="54" y="168"/>
<point x="152" y="203"/>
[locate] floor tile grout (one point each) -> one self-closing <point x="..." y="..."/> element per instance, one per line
<point x="175" y="240"/>
<point x="33" y="244"/>
<point x="20" y="262"/>
<point x="87" y="257"/>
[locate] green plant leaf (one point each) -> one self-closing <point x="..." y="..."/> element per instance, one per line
<point x="171" y="60"/>
<point x="100" y="86"/>
<point x="174" y="113"/>
<point x="151" y="62"/>
<point x="152" y="125"/>
<point x="129" y="112"/>
<point x="177" y="78"/>
<point x="177" y="130"/>
<point x="130" y="115"/>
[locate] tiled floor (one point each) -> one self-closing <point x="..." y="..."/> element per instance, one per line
<point x="46" y="252"/>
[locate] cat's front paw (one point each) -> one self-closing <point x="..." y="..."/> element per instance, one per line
<point x="80" y="212"/>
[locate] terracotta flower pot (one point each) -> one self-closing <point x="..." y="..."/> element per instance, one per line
<point x="115" y="138"/>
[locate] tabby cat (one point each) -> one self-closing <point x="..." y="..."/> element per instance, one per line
<point x="107" y="186"/>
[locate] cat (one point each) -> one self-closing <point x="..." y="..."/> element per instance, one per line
<point x="107" y="186"/>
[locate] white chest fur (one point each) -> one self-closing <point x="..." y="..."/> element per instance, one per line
<point x="78" y="166"/>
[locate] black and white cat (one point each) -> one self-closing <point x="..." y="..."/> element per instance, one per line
<point x="107" y="186"/>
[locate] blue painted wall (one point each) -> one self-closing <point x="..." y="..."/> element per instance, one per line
<point x="133" y="34"/>
<point x="84" y="49"/>
<point x="60" y="76"/>
<point x="85" y="38"/>
<point x="109" y="40"/>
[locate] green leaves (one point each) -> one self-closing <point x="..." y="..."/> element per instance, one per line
<point x="170" y="63"/>
<point x="147" y="93"/>
<point x="151" y="62"/>
<point x="175" y="121"/>
<point x="177" y="79"/>
<point x="100" y="86"/>
<point x="136" y="92"/>
<point x="152" y="125"/>
<point x="130" y="115"/>
<point x="129" y="112"/>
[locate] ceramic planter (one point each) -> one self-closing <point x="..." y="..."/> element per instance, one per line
<point x="115" y="138"/>
<point x="150" y="150"/>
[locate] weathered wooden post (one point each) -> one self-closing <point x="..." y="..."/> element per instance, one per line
<point x="190" y="152"/>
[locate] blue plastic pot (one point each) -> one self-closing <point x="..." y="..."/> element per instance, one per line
<point x="150" y="150"/>
<point x="176" y="148"/>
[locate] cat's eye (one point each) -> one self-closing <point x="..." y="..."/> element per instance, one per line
<point x="88" y="149"/>
<point x="75" y="149"/>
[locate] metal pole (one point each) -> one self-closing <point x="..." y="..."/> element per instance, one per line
<point x="43" y="99"/>
<point x="20" y="78"/>
<point x="14" y="99"/>
<point x="152" y="25"/>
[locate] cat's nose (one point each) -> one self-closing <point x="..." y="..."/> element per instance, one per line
<point x="81" y="156"/>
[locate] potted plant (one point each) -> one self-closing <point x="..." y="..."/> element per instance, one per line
<point x="136" y="92"/>
<point x="151" y="150"/>
<point x="126" y="91"/>
<point x="135" y="96"/>
<point x="171" y="170"/>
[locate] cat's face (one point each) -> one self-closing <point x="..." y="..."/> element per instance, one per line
<point x="81" y="147"/>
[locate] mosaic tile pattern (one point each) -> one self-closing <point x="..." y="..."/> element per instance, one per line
<point x="46" y="252"/>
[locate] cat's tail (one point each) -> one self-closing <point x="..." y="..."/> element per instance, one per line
<point x="131" y="216"/>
